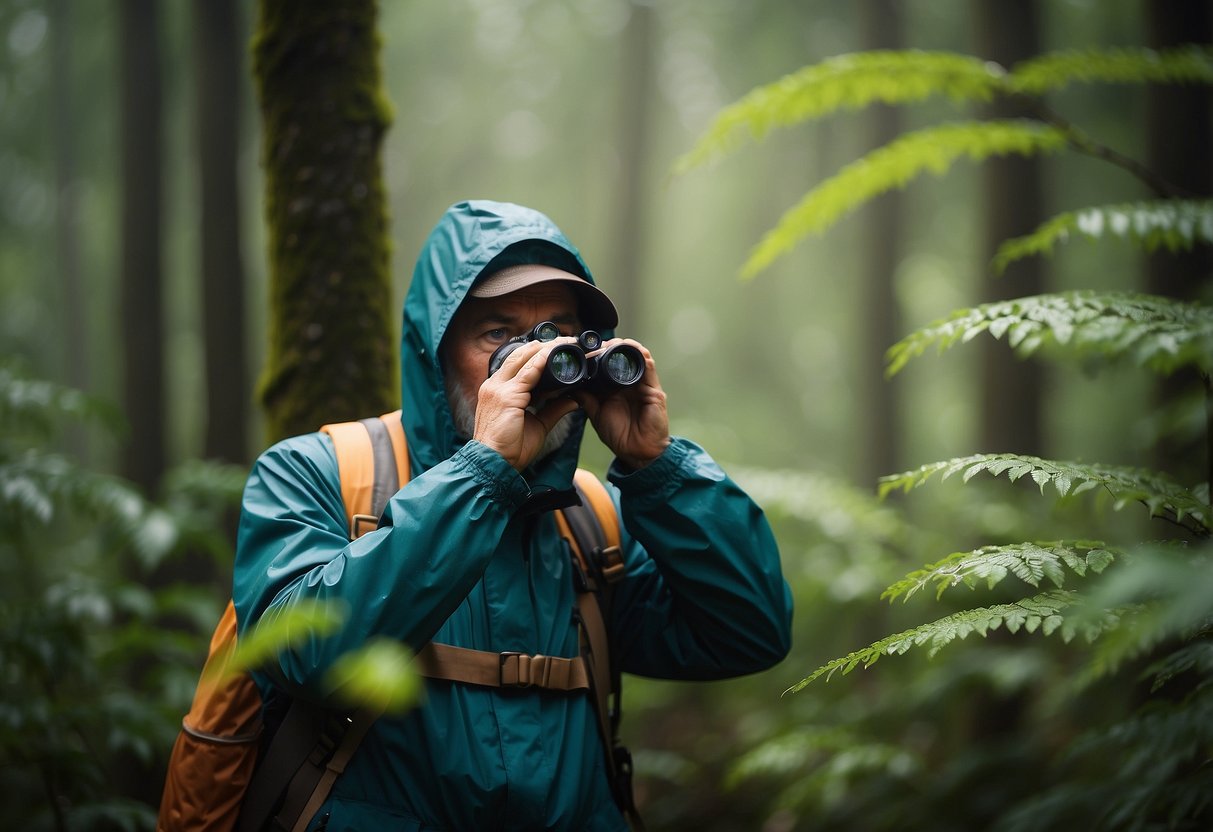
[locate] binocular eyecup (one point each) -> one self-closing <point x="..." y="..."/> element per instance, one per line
<point x="569" y="366"/>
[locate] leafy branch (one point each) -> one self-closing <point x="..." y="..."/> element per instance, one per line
<point x="1176" y="225"/>
<point x="851" y="82"/>
<point x="854" y="81"/>
<point x="1030" y="562"/>
<point x="845" y="82"/>
<point x="1120" y="65"/>
<point x="932" y="149"/>
<point x="1161" y="495"/>
<point x="1046" y="612"/>
<point x="1155" y="332"/>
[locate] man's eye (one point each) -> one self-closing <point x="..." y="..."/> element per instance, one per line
<point x="499" y="335"/>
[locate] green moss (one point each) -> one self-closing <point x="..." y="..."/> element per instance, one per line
<point x="332" y="352"/>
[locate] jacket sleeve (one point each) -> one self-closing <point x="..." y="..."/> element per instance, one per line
<point x="402" y="580"/>
<point x="703" y="595"/>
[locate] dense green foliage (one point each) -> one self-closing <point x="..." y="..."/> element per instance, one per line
<point x="1125" y="607"/>
<point x="94" y="683"/>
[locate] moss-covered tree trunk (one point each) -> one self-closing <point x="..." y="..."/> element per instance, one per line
<point x="331" y="351"/>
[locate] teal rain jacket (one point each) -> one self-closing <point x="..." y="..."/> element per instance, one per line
<point x="463" y="557"/>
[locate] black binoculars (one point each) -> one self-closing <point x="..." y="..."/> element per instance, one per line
<point x="568" y="365"/>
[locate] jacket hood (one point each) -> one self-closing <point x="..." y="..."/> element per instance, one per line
<point x="467" y="239"/>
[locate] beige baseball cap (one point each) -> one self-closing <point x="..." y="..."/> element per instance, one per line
<point x="595" y="308"/>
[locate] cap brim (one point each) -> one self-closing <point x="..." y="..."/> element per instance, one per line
<point x="596" y="309"/>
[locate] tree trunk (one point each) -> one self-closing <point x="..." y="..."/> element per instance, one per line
<point x="142" y="323"/>
<point x="331" y="352"/>
<point x="217" y="66"/>
<point x="635" y="125"/>
<point x="1179" y="135"/>
<point x="880" y="24"/>
<point x="1012" y="390"/>
<point x="67" y="205"/>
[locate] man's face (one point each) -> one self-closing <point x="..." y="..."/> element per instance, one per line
<point x="481" y="325"/>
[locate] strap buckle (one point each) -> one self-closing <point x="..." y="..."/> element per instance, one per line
<point x="363" y="523"/>
<point x="514" y="670"/>
<point x="521" y="670"/>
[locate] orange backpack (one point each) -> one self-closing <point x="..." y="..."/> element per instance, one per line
<point x="216" y="780"/>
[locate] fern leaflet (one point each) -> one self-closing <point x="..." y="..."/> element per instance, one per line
<point x="932" y="149"/>
<point x="1155" y="332"/>
<point x="1158" y="492"/>
<point x="1030" y="562"/>
<point x="845" y="82"/>
<point x="1185" y="64"/>
<point x="1045" y="612"/>
<point x="1172" y="224"/>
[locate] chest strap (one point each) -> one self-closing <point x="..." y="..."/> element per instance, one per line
<point x="501" y="670"/>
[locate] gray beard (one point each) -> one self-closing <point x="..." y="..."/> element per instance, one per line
<point x="463" y="413"/>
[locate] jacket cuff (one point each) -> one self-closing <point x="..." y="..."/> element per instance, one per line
<point x="657" y="481"/>
<point x="496" y="476"/>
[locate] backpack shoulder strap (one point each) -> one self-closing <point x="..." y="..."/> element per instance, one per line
<point x="592" y="529"/>
<point x="373" y="462"/>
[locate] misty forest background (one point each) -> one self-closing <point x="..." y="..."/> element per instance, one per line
<point x="158" y="327"/>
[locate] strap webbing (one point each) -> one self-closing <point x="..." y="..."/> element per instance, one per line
<point x="501" y="670"/>
<point x="359" y="724"/>
<point x="295" y="739"/>
<point x="372" y="462"/>
<point x="384" y="483"/>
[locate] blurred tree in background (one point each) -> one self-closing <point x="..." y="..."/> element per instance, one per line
<point x="579" y="109"/>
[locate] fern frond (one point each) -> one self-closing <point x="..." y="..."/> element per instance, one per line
<point x="1030" y="562"/>
<point x="845" y="82"/>
<point x="36" y="404"/>
<point x="817" y="764"/>
<point x="1155" y="332"/>
<point x="786" y="754"/>
<point x="1171" y="584"/>
<point x="932" y="149"/>
<point x="1161" y="495"/>
<point x="39" y="490"/>
<point x="1177" y="225"/>
<point x="1184" y="64"/>
<point x="1045" y="612"/>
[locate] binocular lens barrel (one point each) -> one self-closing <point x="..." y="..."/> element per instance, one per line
<point x="566" y="365"/>
<point x="620" y="366"/>
<point x="623" y="364"/>
<point x="546" y="331"/>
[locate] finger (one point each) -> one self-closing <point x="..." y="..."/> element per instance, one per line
<point x="516" y="360"/>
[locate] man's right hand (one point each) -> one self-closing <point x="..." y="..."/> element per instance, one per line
<point x="503" y="422"/>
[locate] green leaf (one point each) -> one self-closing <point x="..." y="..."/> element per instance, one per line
<point x="1158" y="333"/>
<point x="379" y="675"/>
<point x="932" y="149"/>
<point x="1048" y="609"/>
<point x="1030" y="562"/>
<point x="280" y="629"/>
<point x="1161" y="495"/>
<point x="1184" y="64"/>
<point x="845" y="82"/>
<point x="1176" y="225"/>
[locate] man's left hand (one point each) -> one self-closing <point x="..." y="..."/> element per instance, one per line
<point x="631" y="421"/>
